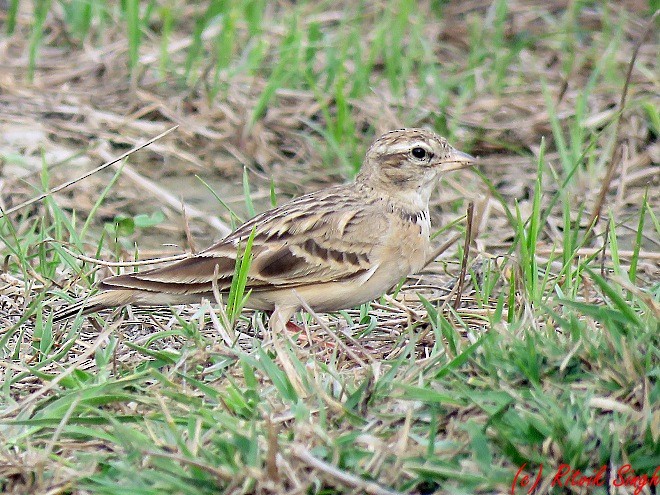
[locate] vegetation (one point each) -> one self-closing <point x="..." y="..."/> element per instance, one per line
<point x="546" y="353"/>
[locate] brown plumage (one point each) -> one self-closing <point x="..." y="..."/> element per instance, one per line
<point x="334" y="249"/>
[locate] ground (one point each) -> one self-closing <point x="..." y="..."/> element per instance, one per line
<point x="539" y="360"/>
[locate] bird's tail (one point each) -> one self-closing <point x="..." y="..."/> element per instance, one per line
<point x="162" y="286"/>
<point x="97" y="302"/>
<point x="117" y="297"/>
<point x="81" y="307"/>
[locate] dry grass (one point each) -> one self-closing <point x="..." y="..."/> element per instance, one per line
<point x="158" y="401"/>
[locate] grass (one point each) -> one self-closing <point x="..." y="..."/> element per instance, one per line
<point x="551" y="358"/>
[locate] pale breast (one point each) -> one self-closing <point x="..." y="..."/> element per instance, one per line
<point x="409" y="241"/>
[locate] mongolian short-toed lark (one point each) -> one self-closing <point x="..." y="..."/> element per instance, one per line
<point x="334" y="249"/>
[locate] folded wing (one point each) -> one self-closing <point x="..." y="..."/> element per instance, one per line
<point x="307" y="241"/>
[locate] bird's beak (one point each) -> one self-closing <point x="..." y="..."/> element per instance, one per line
<point x="456" y="161"/>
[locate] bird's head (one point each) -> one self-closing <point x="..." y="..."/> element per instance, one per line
<point x="408" y="162"/>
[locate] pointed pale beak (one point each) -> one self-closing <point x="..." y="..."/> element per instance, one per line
<point x="456" y="161"/>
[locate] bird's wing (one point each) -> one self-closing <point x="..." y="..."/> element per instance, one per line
<point x="320" y="237"/>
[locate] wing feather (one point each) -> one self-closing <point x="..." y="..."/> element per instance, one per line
<point x="316" y="238"/>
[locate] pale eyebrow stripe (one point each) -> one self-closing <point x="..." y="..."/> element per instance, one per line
<point x="401" y="147"/>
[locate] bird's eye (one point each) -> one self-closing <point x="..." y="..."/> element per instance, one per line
<point x="419" y="153"/>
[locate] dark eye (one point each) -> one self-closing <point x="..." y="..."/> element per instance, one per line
<point x="419" y="153"/>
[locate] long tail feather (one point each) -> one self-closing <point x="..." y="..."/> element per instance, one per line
<point x="82" y="307"/>
<point x="97" y="302"/>
<point x="115" y="298"/>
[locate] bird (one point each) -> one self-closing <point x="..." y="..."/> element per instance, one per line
<point x="334" y="249"/>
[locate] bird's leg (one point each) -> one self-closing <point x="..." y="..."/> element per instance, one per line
<point x="277" y="326"/>
<point x="280" y="317"/>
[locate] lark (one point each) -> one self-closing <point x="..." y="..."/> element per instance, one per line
<point x="334" y="249"/>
